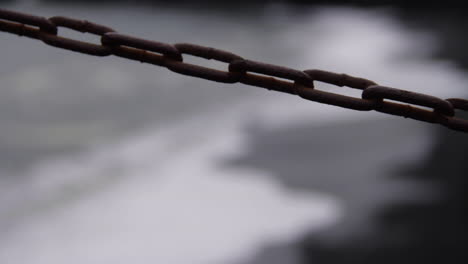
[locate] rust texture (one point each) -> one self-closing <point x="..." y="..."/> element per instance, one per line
<point x="272" y="77"/>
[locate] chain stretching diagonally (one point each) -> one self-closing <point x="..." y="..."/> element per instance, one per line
<point x="241" y="70"/>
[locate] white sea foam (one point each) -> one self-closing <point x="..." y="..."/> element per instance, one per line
<point x="170" y="196"/>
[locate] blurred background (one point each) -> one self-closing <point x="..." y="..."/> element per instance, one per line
<point x="105" y="160"/>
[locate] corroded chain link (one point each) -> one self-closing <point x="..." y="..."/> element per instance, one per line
<point x="301" y="83"/>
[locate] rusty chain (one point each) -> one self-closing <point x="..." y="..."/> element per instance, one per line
<point x="301" y="83"/>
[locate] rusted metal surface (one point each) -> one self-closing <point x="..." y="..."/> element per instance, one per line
<point x="380" y="93"/>
<point x="458" y="103"/>
<point x="240" y="70"/>
<point x="116" y="39"/>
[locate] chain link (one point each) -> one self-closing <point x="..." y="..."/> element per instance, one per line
<point x="271" y="77"/>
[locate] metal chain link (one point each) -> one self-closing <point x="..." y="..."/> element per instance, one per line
<point x="301" y="83"/>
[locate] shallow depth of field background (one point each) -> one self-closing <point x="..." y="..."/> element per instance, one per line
<point x="106" y="160"/>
